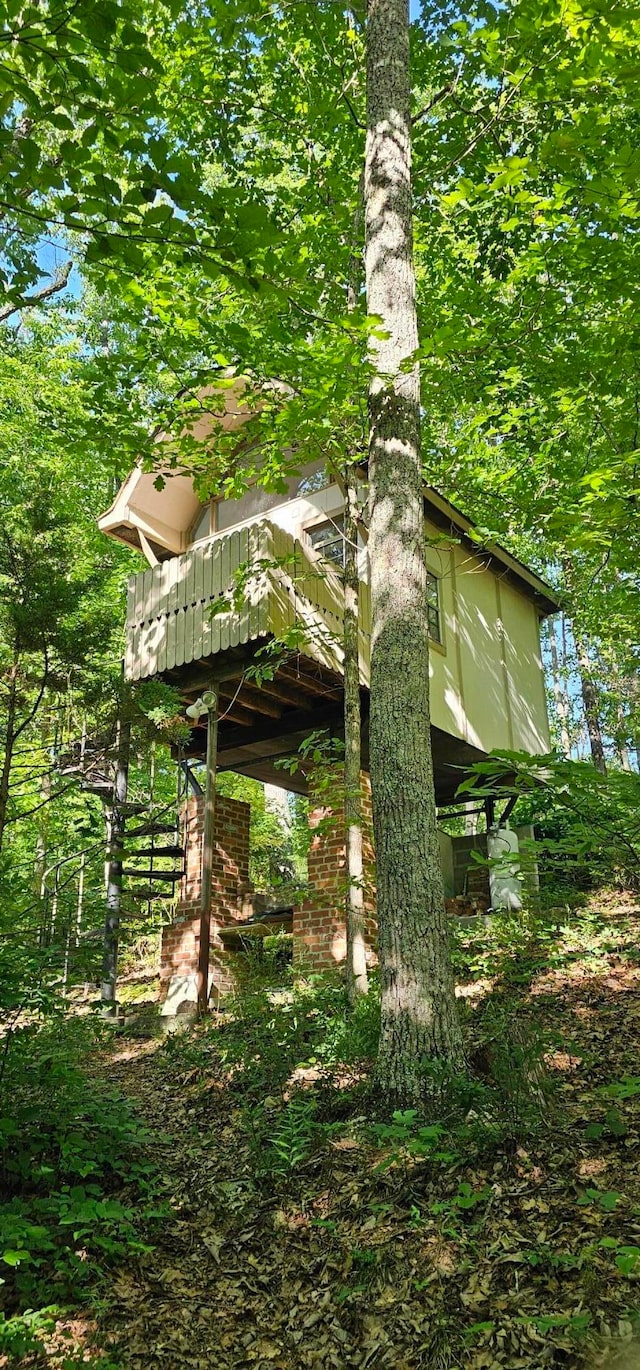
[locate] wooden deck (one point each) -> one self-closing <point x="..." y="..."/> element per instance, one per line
<point x="170" y="623"/>
<point x="172" y="633"/>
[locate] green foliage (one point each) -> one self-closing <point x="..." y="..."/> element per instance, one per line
<point x="607" y="1200"/>
<point x="627" y="1258"/>
<point x="409" y="1138"/>
<point x="79" y="1191"/>
<point x="287" y="1138"/>
<point x="271" y="1037"/>
<point x="164" y="708"/>
<point x="627" y="1088"/>
<point x="587" y="826"/>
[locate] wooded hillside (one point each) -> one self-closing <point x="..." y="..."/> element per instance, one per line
<point x="411" y="236"/>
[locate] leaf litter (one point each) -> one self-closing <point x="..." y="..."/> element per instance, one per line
<point x="520" y="1254"/>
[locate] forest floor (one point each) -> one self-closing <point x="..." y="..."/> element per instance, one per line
<point x="300" y="1231"/>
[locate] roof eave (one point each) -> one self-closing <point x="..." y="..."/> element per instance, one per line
<point x="537" y="589"/>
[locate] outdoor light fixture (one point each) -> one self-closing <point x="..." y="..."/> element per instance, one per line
<point x="202" y="704"/>
<point x="196" y="710"/>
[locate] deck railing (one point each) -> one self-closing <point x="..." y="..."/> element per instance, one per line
<point x="276" y="585"/>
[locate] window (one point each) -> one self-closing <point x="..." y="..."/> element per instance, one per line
<point x="314" y="478"/>
<point x="433" y="607"/>
<point x="203" y="524"/>
<point x="328" y="539"/>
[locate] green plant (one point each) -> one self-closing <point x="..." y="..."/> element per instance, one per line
<point x="290" y="1136"/>
<point x="607" y="1200"/>
<point x="627" y="1088"/>
<point x="79" y="1189"/>
<point x="19" y="1335"/>
<point x="627" y="1257"/>
<point x="509" y="1064"/>
<point x="464" y="1200"/>
<point x="408" y="1138"/>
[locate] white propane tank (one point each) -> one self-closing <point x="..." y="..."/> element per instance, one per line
<point x="505" y="881"/>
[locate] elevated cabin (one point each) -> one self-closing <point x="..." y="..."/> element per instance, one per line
<point x="485" y="609"/>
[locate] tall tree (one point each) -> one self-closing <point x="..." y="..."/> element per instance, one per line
<point x="357" y="979"/>
<point x="419" y="1017"/>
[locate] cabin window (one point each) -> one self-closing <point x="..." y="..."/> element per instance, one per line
<point x="433" y="607"/>
<point x="314" y="478"/>
<point x="204" y="523"/>
<point x="328" y="539"/>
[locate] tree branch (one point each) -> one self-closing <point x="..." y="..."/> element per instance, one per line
<point x="58" y="283"/>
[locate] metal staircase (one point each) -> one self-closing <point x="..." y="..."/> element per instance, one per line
<point x="151" y="853"/>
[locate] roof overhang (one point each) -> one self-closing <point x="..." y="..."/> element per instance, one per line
<point x="445" y="515"/>
<point x="141" y="513"/>
<point x="156" y="521"/>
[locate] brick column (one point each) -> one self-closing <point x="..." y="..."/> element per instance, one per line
<point x="319" y="933"/>
<point x="230" y="885"/>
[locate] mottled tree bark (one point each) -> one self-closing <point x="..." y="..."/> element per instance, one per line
<point x="559" y="693"/>
<point x="419" y="1016"/>
<point x="590" y="705"/>
<point x="357" y="980"/>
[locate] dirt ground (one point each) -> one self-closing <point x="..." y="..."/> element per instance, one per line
<point x="519" y="1255"/>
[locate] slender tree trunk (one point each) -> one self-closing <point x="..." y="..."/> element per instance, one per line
<point x="208" y="841"/>
<point x="419" y="1017"/>
<point x="622" y="727"/>
<point x="357" y="980"/>
<point x="9" y="742"/>
<point x="40" y="863"/>
<point x="114" y="870"/>
<point x="559" y="693"/>
<point x="590" y="705"/>
<point x="471" y="819"/>
<point x="357" y="977"/>
<point x="623" y="756"/>
<point x="80" y="899"/>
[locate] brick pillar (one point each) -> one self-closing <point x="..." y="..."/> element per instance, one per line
<point x="230" y="885"/>
<point x="319" y="933"/>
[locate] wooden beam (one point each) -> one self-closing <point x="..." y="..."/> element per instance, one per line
<point x="199" y="676"/>
<point x="312" y="684"/>
<point x="258" y="699"/>
<point x="287" y="694"/>
<point x="233" y="710"/>
<point x="279" y="731"/>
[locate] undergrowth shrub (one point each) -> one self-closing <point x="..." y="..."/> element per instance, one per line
<point x="77" y="1189"/>
<point x="517" y="1090"/>
<point x="281" y="1048"/>
<point x="268" y="1032"/>
<point x="284" y="1138"/>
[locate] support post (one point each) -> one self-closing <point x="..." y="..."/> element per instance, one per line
<point x="114" y="870"/>
<point x="211" y="701"/>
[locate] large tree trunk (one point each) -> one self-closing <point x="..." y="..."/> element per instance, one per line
<point x="419" y="1017"/>
<point x="357" y="981"/>
<point x="590" y="705"/>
